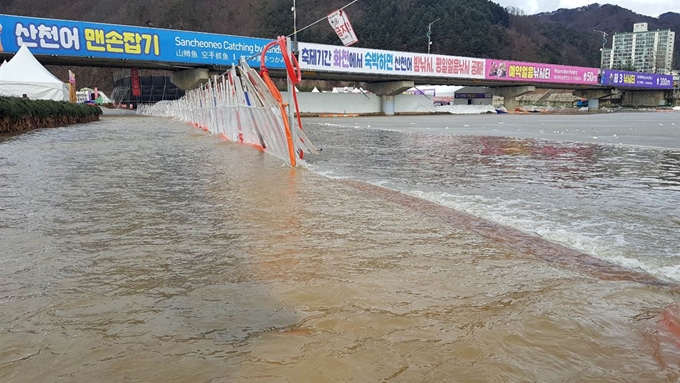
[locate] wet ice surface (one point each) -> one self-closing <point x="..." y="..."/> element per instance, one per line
<point x="640" y="129"/>
<point x="145" y="250"/>
<point x="612" y="200"/>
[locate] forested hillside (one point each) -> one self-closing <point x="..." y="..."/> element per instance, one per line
<point x="478" y="28"/>
<point x="570" y="24"/>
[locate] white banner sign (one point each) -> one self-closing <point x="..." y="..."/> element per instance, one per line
<point x="340" y="23"/>
<point x="331" y="58"/>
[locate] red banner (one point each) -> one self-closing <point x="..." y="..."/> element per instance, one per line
<point x="134" y="81"/>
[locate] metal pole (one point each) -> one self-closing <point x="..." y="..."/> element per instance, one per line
<point x="322" y="19"/>
<point x="604" y="37"/>
<point x="294" y="23"/>
<point x="429" y="33"/>
<point x="291" y="101"/>
<point x="294" y="48"/>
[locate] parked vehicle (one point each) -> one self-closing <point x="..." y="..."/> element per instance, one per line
<point x="442" y="100"/>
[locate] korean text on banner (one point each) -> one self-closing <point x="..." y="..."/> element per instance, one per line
<point x="340" y="23"/>
<point x="537" y="72"/>
<point x="620" y="78"/>
<point x="134" y="82"/>
<point x="331" y="58"/>
<point x="51" y="37"/>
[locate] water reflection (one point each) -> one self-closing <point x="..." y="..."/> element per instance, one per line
<point x="613" y="202"/>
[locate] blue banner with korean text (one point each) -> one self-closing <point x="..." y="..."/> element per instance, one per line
<point x="621" y="78"/>
<point x="110" y="41"/>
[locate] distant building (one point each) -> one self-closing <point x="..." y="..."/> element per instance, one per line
<point x="151" y="89"/>
<point x="473" y="95"/>
<point x="641" y="50"/>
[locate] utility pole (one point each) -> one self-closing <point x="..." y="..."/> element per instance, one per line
<point x="604" y="42"/>
<point x="429" y="33"/>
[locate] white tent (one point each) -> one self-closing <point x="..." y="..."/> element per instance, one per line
<point x="23" y="74"/>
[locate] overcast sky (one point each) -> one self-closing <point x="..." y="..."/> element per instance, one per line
<point x="648" y="7"/>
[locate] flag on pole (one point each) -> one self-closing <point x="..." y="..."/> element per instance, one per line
<point x="340" y="23"/>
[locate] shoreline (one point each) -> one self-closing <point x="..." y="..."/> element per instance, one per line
<point x="21" y="115"/>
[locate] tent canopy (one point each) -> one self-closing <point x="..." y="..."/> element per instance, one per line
<point x="23" y="74"/>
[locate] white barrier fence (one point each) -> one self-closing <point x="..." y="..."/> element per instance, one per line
<point x="240" y="107"/>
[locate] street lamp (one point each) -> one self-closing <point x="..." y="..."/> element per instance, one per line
<point x="429" y="33"/>
<point x="604" y="37"/>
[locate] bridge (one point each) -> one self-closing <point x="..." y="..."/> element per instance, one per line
<point x="194" y="56"/>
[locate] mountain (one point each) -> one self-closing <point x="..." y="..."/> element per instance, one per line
<point x="561" y="25"/>
<point x="606" y="17"/>
<point x="477" y="28"/>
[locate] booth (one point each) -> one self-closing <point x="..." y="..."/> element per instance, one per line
<point x="24" y="75"/>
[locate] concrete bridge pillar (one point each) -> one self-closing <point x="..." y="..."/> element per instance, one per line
<point x="387" y="90"/>
<point x="593" y="96"/>
<point x="387" y="105"/>
<point x="510" y="92"/>
<point x="190" y="78"/>
<point x="651" y="98"/>
<point x="673" y="96"/>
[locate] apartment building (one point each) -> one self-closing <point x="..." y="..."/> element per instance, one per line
<point x="641" y="50"/>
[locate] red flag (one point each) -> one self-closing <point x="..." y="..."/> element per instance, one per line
<point x="134" y="82"/>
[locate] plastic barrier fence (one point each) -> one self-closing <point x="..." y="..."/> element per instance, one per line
<point x="240" y="107"/>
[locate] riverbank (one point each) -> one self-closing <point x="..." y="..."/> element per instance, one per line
<point x="18" y="114"/>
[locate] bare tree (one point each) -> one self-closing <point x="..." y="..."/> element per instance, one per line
<point x="515" y="11"/>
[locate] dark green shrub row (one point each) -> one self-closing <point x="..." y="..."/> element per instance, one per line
<point x="17" y="108"/>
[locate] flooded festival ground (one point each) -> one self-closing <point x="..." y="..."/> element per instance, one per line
<point x="491" y="248"/>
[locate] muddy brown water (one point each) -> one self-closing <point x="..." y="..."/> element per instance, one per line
<point x="143" y="250"/>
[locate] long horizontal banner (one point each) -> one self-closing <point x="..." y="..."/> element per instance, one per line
<point x="535" y="72"/>
<point x="621" y="78"/>
<point x="96" y="40"/>
<point x="110" y="41"/>
<point x="332" y="58"/>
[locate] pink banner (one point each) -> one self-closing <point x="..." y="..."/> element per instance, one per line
<point x="503" y="70"/>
